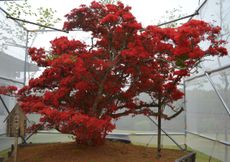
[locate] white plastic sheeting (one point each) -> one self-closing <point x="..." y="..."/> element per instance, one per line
<point x="208" y="96"/>
<point x="13" y="41"/>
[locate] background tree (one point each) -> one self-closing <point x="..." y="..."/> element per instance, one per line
<point x="23" y="9"/>
<point x="108" y="1"/>
<point x="85" y="86"/>
<point x="170" y="15"/>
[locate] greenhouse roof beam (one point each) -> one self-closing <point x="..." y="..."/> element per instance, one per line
<point x="11" y="80"/>
<point x="7" y="14"/>
<point x="218" y="93"/>
<point x="209" y="72"/>
<point x="4" y="105"/>
<point x="37" y="24"/>
<point x="185" y="17"/>
<point x="167" y="134"/>
<point x="209" y="138"/>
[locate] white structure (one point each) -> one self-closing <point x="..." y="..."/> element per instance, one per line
<point x="14" y="66"/>
<point x="208" y="92"/>
<point x="204" y="126"/>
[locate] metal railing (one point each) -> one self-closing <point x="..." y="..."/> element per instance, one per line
<point x="191" y="157"/>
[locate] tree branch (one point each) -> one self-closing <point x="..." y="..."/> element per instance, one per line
<point x="174" y="115"/>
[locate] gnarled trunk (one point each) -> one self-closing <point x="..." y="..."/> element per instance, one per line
<point x="159" y="133"/>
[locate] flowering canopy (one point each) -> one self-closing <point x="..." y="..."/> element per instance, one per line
<point x="85" y="86"/>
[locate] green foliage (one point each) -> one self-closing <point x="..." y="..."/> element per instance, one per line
<point x="23" y="9"/>
<point x="45" y="15"/>
<point x="170" y="15"/>
<point x="108" y="1"/>
<point x="4" y="153"/>
<point x="201" y="157"/>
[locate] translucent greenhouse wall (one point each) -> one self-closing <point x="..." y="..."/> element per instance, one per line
<point x="207" y="99"/>
<point x="205" y="124"/>
<point x="14" y="67"/>
<point x="141" y="130"/>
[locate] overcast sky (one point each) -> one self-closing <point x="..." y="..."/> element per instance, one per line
<point x="146" y="11"/>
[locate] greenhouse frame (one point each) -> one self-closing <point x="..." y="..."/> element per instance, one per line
<point x="204" y="125"/>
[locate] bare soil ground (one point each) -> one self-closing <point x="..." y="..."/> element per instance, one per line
<point x="109" y="152"/>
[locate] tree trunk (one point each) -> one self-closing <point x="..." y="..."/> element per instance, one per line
<point x="159" y="133"/>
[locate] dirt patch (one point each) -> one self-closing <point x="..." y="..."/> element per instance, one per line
<point x="109" y="152"/>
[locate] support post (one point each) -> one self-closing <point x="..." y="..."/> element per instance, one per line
<point x="4" y="104"/>
<point x="159" y="133"/>
<point x="185" y="116"/>
<point x="27" y="138"/>
<point x="167" y="135"/>
<point x="223" y="103"/>
<point x="218" y="94"/>
<point x="26" y="56"/>
<point x="16" y="122"/>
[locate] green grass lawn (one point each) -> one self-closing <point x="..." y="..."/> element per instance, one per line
<point x="200" y="157"/>
<point x="4" y="153"/>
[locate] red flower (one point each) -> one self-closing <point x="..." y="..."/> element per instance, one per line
<point x="8" y="90"/>
<point x="84" y="87"/>
<point x="110" y="18"/>
<point x="128" y="17"/>
<point x="182" y="72"/>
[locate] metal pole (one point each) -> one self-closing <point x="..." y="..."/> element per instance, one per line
<point x="33" y="23"/>
<point x="218" y="93"/>
<point x="167" y="135"/>
<point x="159" y="133"/>
<point x="26" y="56"/>
<point x="223" y="103"/>
<point x="16" y="121"/>
<point x="4" y="104"/>
<point x="201" y="6"/>
<point x="209" y="72"/>
<point x="27" y="138"/>
<point x="185" y="117"/>
<point x="11" y="80"/>
<point x="209" y="138"/>
<point x="185" y="17"/>
<point x="7" y="14"/>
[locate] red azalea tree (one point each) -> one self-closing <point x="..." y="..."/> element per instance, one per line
<point x="85" y="86"/>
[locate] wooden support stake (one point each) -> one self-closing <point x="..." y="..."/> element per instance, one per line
<point x="16" y="120"/>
